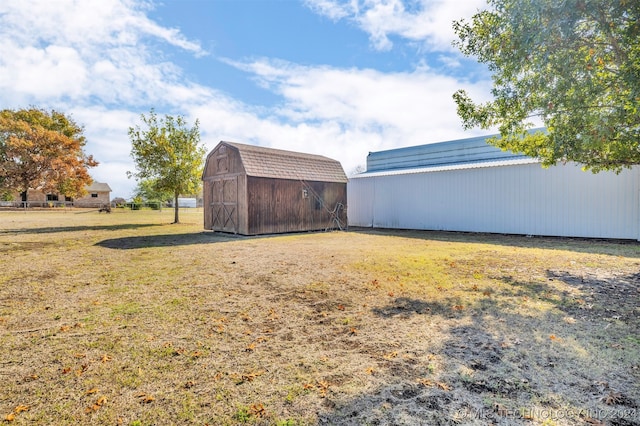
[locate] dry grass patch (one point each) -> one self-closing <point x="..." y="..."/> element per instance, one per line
<point x="125" y="319"/>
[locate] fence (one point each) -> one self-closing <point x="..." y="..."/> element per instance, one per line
<point x="49" y="204"/>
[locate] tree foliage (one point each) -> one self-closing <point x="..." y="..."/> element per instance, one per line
<point x="575" y="64"/>
<point x="146" y="190"/>
<point x="168" y="155"/>
<point x="43" y="151"/>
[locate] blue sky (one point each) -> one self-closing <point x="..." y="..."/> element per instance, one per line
<point x="338" y="78"/>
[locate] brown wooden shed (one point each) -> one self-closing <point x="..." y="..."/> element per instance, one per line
<point x="252" y="190"/>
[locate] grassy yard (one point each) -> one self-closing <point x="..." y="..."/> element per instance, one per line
<point x="125" y="319"/>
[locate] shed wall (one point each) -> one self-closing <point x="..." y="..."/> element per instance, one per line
<point x="224" y="191"/>
<point x="520" y="199"/>
<point x="281" y="205"/>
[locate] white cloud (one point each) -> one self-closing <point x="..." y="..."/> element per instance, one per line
<point x="330" y="8"/>
<point x="49" y="49"/>
<point x="95" y="61"/>
<point x="422" y="21"/>
<point x="87" y="23"/>
<point x="349" y="112"/>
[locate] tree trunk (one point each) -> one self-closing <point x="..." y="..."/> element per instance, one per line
<point x="23" y="197"/>
<point x="175" y="207"/>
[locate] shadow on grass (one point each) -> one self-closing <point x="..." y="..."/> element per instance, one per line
<point x="616" y="247"/>
<point x="506" y="367"/>
<point x="56" y="229"/>
<point x="167" y="240"/>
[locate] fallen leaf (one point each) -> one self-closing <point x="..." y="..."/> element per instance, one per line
<point x="308" y="386"/>
<point x="146" y="399"/>
<point x="443" y="386"/>
<point x="612" y="398"/>
<point x="248" y="377"/>
<point x="426" y="382"/>
<point x="391" y="355"/>
<point x="10" y="417"/>
<point x="323" y="386"/>
<point x="20" y="408"/>
<point x="96" y="406"/>
<point x="105" y="358"/>
<point x="370" y="370"/>
<point x="90" y="391"/>
<point x="257" y="410"/>
<point x="353" y="331"/>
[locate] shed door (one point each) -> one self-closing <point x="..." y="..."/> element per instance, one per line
<point x="224" y="204"/>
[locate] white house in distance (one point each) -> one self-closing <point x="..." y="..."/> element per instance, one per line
<point x="468" y="185"/>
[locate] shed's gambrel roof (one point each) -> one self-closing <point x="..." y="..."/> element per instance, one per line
<point x="259" y="161"/>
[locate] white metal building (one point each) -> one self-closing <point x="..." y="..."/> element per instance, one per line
<point x="468" y="185"/>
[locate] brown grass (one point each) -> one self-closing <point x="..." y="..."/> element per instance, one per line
<point x="126" y="319"/>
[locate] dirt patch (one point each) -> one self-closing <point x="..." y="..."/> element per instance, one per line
<point x="124" y="319"/>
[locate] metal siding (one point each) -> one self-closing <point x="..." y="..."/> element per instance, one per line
<point x="519" y="199"/>
<point x="361" y="199"/>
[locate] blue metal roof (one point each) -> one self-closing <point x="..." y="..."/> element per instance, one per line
<point x="462" y="151"/>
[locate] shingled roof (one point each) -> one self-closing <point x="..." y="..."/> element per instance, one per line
<point x="98" y="187"/>
<point x="280" y="164"/>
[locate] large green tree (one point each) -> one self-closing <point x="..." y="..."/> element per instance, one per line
<point x="42" y="150"/>
<point x="146" y="190"/>
<point x="168" y="153"/>
<point x="574" y="64"/>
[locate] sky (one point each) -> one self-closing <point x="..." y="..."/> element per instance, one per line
<point x="339" y="78"/>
